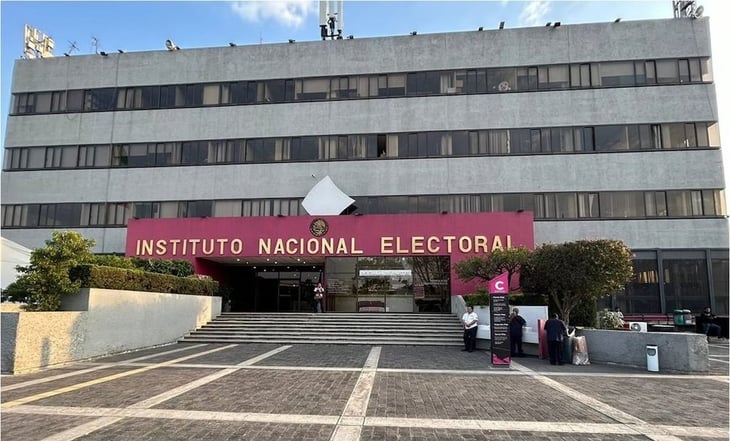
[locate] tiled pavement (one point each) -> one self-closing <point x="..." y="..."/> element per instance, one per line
<point x="210" y="392"/>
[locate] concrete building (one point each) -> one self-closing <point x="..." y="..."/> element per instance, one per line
<point x="605" y="130"/>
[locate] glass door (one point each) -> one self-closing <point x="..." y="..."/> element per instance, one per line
<point x="289" y="296"/>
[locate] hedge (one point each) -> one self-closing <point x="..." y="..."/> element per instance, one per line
<point x="94" y="276"/>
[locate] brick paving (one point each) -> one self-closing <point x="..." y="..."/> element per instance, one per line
<point x="125" y="391"/>
<point x="182" y="430"/>
<point x="412" y="395"/>
<point x="289" y="392"/>
<point x="306" y="392"/>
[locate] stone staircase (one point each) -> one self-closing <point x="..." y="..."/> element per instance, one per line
<point x="331" y="328"/>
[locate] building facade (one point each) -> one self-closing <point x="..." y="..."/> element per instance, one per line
<point x="606" y="130"/>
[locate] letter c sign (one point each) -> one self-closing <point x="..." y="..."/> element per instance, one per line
<point x="499" y="286"/>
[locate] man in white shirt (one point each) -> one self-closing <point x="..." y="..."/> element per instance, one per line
<point x="470" y="321"/>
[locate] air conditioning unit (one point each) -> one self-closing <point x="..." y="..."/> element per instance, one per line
<point x="638" y="326"/>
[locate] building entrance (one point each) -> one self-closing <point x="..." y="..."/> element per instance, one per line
<point x="273" y="289"/>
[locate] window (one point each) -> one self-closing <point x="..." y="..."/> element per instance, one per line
<point x="622" y="204"/>
<point x="146" y="210"/>
<point x="211" y="94"/>
<point x="666" y="71"/>
<point x="93" y="214"/>
<point x="24" y="103"/>
<point x="94" y="156"/>
<point x="193" y="153"/>
<point x="227" y="208"/>
<point x="617" y="73"/>
<point x="685" y="280"/>
<point x="117" y="213"/>
<point x="588" y="205"/>
<point x="527" y="78"/>
<point x="611" y="138"/>
<point x="99" y="99"/>
<point x="36" y="157"/>
<point x="656" y="203"/>
<point x="314" y="89"/>
<point x="566" y="206"/>
<point x="501" y="80"/>
<point x="195" y="209"/>
<point x="43" y="102"/>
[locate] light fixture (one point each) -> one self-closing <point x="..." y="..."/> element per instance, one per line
<point x="617" y="20"/>
<point x="66" y="54"/>
<point x="444" y="212"/>
<point x="520" y="210"/>
<point x="414" y="33"/>
<point x="557" y="24"/>
<point x="232" y="44"/>
<point x="120" y="51"/>
<point x="280" y="215"/>
<point x="547" y="25"/>
<point x="357" y="214"/>
<point x="291" y="40"/>
<point x="171" y="46"/>
<point x="103" y="54"/>
<point x="501" y="25"/>
<point x="481" y="28"/>
<point x="350" y="37"/>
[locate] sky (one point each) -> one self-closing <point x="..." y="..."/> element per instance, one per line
<point x="86" y="27"/>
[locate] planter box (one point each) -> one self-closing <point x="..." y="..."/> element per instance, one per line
<point x="678" y="351"/>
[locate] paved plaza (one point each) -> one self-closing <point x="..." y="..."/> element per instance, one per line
<point x="358" y="392"/>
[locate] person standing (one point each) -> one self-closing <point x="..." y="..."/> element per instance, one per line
<point x="470" y="320"/>
<point x="319" y="298"/>
<point x="556" y="330"/>
<point x="516" y="322"/>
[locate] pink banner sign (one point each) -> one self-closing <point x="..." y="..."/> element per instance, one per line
<point x="499" y="284"/>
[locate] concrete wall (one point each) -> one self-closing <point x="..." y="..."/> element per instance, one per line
<point x="97" y="322"/>
<point x="678" y="351"/>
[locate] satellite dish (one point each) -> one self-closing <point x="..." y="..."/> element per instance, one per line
<point x="171" y="46"/>
<point x="699" y="11"/>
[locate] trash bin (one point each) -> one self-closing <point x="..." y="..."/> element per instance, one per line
<point x="687" y="314"/>
<point x="678" y="316"/>
<point x="652" y="358"/>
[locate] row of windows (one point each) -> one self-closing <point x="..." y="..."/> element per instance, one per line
<point x="349" y="147"/>
<point x="596" y="205"/>
<point x="668" y="279"/>
<point x="450" y="82"/>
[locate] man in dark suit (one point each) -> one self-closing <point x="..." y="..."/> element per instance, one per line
<point x="556" y="330"/>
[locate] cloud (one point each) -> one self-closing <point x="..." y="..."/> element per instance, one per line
<point x="290" y="13"/>
<point x="534" y="13"/>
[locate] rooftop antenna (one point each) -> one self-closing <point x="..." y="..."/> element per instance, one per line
<point x="331" y="19"/>
<point x="95" y="44"/>
<point x="36" y="44"/>
<point x="687" y="9"/>
<point x="72" y="47"/>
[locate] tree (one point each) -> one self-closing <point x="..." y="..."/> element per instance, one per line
<point x="493" y="264"/>
<point x="46" y="279"/>
<point x="575" y="272"/>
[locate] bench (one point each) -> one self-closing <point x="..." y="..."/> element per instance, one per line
<point x="371" y="306"/>
<point x="654" y="319"/>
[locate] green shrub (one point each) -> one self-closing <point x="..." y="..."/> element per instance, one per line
<point x="111" y="260"/>
<point x="92" y="276"/>
<point x="174" y="267"/>
<point x="480" y="298"/>
<point x="46" y="279"/>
